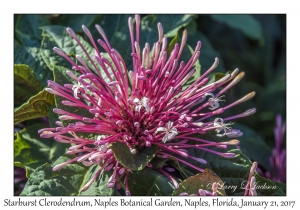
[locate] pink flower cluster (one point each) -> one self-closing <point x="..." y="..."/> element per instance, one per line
<point x="141" y="107"/>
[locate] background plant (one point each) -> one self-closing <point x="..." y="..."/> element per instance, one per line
<point x="253" y="43"/>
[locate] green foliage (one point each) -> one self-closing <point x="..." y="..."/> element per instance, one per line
<point x="208" y="51"/>
<point x="99" y="186"/>
<point x="245" y="23"/>
<point x="31" y="151"/>
<point x="202" y="181"/>
<point x="44" y="181"/>
<point x="57" y="36"/>
<point x="26" y="29"/>
<point x="232" y="171"/>
<point x="254" y="146"/>
<point x="31" y="56"/>
<point x="150" y="182"/>
<point x="136" y="161"/>
<point x="37" y="106"/>
<point x="25" y="84"/>
<point x="171" y="24"/>
<point x="76" y="21"/>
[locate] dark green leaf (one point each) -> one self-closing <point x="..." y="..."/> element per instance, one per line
<point x="282" y="186"/>
<point x="31" y="151"/>
<point x="175" y="164"/>
<point x="57" y="36"/>
<point x="171" y="24"/>
<point x="52" y="117"/>
<point x="31" y="56"/>
<point x="27" y="30"/>
<point x="234" y="172"/>
<point x="25" y="84"/>
<point x="158" y="162"/>
<point x="218" y="76"/>
<point x="76" y="21"/>
<point x="37" y="106"/>
<point x="43" y="181"/>
<point x="208" y="53"/>
<point x="254" y="146"/>
<point x="149" y="182"/>
<point x="246" y="23"/>
<point x="99" y="186"/>
<point x="62" y="78"/>
<point x="202" y="181"/>
<point x="136" y="161"/>
<point x="116" y="29"/>
<point x="67" y="181"/>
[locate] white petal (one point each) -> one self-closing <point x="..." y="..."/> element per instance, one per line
<point x="147" y="107"/>
<point x="208" y="94"/>
<point x="137" y="101"/>
<point x="218" y="130"/>
<point x="76" y="92"/>
<point x="170" y="124"/>
<point x="145" y="100"/>
<point x="174" y="130"/>
<point x="171" y="135"/>
<point x="138" y="108"/>
<point x="165" y="138"/>
<point x="161" y="129"/>
<point x="217" y="123"/>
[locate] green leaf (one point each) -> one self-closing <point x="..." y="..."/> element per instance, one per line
<point x="31" y="151"/>
<point x="52" y="117"/>
<point x="25" y="84"/>
<point x="282" y="186"/>
<point x="234" y="172"/>
<point x="27" y="30"/>
<point x="208" y="52"/>
<point x="37" y="106"/>
<point x="136" y="161"/>
<point x="99" y="186"/>
<point x="157" y="162"/>
<point x="217" y="76"/>
<point x="31" y="56"/>
<point x="62" y="78"/>
<point x="43" y="181"/>
<point x="254" y="146"/>
<point x="245" y="23"/>
<point x="57" y="36"/>
<point x="149" y="182"/>
<point x="76" y="21"/>
<point x="203" y="181"/>
<point x="171" y="24"/>
<point x="67" y="181"/>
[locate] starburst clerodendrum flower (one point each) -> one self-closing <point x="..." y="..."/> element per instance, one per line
<point x="141" y="107"/>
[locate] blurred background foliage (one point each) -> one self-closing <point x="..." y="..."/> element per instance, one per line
<point x="256" y="44"/>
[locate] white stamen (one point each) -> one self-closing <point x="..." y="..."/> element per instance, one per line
<point x="141" y="103"/>
<point x="170" y="131"/>
<point x="221" y="126"/>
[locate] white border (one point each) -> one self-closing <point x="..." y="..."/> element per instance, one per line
<point x="153" y="6"/>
